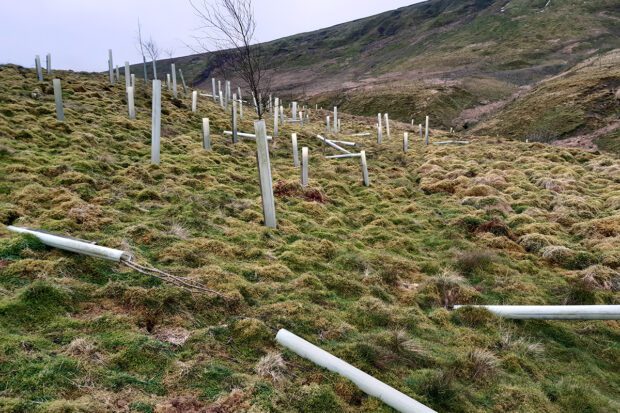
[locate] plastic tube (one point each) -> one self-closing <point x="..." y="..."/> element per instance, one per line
<point x="367" y="383"/>
<point x="74" y="245"/>
<point x="553" y="312"/>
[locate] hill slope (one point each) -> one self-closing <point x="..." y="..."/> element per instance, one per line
<point x="365" y="273"/>
<point x="437" y="42"/>
<point x="583" y="101"/>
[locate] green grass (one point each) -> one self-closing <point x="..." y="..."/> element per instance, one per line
<point x="365" y="273"/>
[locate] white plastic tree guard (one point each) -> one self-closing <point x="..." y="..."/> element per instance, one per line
<point x="60" y="111"/>
<point x="345" y="143"/>
<point x="233" y="119"/>
<point x="379" y="129"/>
<point x="405" y="142"/>
<point x="127" y="75"/>
<point x="451" y="143"/>
<point x="37" y="63"/>
<point x="206" y="134"/>
<point x="387" y="125"/>
<point x="154" y="63"/>
<point x="173" y="70"/>
<point x="194" y="100"/>
<point x="111" y="66"/>
<point x="364" y="381"/>
<point x="156" y="122"/>
<point x="48" y="63"/>
<point x="336" y="124"/>
<point x="275" y="120"/>
<point x="130" y="102"/>
<point x="332" y="144"/>
<point x="295" y="150"/>
<point x="214" y="91"/>
<point x="344" y="155"/>
<point x="426" y="133"/>
<point x="245" y="135"/>
<point x="364" y="164"/>
<point x="264" y="174"/>
<point x="74" y="245"/>
<point x="304" y="167"/>
<point x="552" y="312"/>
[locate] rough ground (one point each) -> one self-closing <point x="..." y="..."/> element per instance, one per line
<point x="366" y="273"/>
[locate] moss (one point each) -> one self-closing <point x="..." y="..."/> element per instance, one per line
<point x="251" y="331"/>
<point x="143" y="357"/>
<point x="473" y="316"/>
<point x="316" y="398"/>
<point x="13" y="248"/>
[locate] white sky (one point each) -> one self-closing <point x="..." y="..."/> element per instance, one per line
<point x="78" y="33"/>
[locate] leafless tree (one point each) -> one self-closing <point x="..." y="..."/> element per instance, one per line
<point x="169" y="52"/>
<point x="141" y="50"/>
<point x="153" y="51"/>
<point x="228" y="32"/>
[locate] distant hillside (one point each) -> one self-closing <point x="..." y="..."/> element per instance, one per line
<point x="444" y="58"/>
<point x="582" y="103"/>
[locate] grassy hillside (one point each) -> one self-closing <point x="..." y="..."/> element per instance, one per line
<point x="366" y="273"/>
<point x="443" y="58"/>
<point x="517" y="40"/>
<point x="582" y="101"/>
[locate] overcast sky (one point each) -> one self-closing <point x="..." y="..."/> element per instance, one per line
<point x="78" y="33"/>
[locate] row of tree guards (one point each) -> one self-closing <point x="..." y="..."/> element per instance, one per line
<point x="370" y="385"/>
<point x="237" y="107"/>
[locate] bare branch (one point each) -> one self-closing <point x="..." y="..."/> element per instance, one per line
<point x="227" y="32"/>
